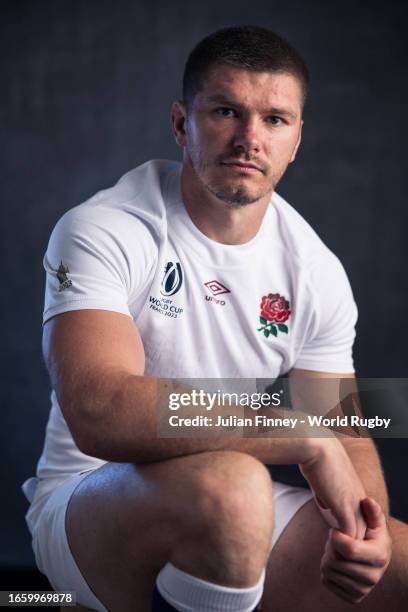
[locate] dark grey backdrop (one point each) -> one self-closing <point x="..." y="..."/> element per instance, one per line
<point x="86" y="90"/>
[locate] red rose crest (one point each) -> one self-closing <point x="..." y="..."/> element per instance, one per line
<point x="274" y="312"/>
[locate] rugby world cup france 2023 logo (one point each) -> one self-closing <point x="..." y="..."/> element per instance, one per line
<point x="172" y="279"/>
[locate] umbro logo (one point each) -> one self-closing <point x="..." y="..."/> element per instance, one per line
<point x="216" y="287"/>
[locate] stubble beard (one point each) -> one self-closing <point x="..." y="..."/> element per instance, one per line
<point x="238" y="196"/>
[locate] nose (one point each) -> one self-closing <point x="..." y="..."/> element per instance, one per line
<point x="247" y="136"/>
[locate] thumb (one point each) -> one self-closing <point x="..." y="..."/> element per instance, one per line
<point x="341" y="542"/>
<point x="373" y="515"/>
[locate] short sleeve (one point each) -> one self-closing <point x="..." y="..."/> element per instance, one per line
<point x="329" y="345"/>
<point x="89" y="262"/>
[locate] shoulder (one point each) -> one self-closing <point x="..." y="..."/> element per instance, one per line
<point x="305" y="246"/>
<point x="296" y="233"/>
<point x="328" y="299"/>
<point x="330" y="294"/>
<point x="118" y="232"/>
<point x="131" y="212"/>
<point x="141" y="198"/>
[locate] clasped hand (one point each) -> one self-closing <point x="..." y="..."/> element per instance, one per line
<point x="351" y="568"/>
<point x="358" y="551"/>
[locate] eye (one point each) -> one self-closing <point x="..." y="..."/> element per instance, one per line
<point x="274" y="120"/>
<point x="224" y="111"/>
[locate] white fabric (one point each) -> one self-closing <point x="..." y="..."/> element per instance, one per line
<point x="188" y="593"/>
<point x="112" y="253"/>
<point x="114" y="250"/>
<point x="53" y="555"/>
<point x="46" y="519"/>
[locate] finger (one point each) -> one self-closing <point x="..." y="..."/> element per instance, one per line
<point x="373" y="515"/>
<point x="343" y="545"/>
<point x="362" y="574"/>
<point x="357" y="551"/>
<point x="361" y="525"/>
<point x="339" y="591"/>
<point x="349" y="586"/>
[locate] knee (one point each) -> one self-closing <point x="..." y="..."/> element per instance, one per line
<point x="235" y="503"/>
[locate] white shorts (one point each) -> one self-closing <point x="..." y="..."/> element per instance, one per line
<point x="46" y="520"/>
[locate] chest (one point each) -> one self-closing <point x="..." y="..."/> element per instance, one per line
<point x="243" y="317"/>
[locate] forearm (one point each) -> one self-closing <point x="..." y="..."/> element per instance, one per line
<point x="366" y="461"/>
<point x="315" y="398"/>
<point x="116" y="420"/>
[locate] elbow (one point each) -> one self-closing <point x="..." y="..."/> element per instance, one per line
<point x="99" y="433"/>
<point x="89" y="444"/>
<point x="85" y="440"/>
<point x="86" y="444"/>
<point x="84" y="428"/>
<point x="94" y="443"/>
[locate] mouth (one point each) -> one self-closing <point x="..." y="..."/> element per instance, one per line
<point x="242" y="166"/>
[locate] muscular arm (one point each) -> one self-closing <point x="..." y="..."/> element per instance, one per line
<point x="349" y="576"/>
<point x="362" y="451"/>
<point x="96" y="362"/>
<point x="366" y="461"/>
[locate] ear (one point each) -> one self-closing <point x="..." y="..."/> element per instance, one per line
<point x="295" y="150"/>
<point x="178" y="122"/>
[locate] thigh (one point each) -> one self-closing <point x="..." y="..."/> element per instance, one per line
<point x="124" y="521"/>
<point x="111" y="527"/>
<point x="122" y="524"/>
<point x="288" y="501"/>
<point x="52" y="552"/>
<point x="294" y="563"/>
<point x="293" y="571"/>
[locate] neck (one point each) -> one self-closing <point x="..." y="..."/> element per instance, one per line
<point x="219" y="221"/>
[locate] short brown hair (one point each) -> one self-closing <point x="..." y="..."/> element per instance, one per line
<point x="246" y="47"/>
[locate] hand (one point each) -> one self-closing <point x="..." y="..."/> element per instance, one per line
<point x="351" y="568"/>
<point x="336" y="485"/>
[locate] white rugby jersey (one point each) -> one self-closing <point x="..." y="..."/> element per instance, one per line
<point x="203" y="309"/>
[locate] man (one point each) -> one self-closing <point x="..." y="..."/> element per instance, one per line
<point x="118" y="513"/>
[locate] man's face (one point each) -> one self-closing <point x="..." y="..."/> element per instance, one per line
<point x="242" y="132"/>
